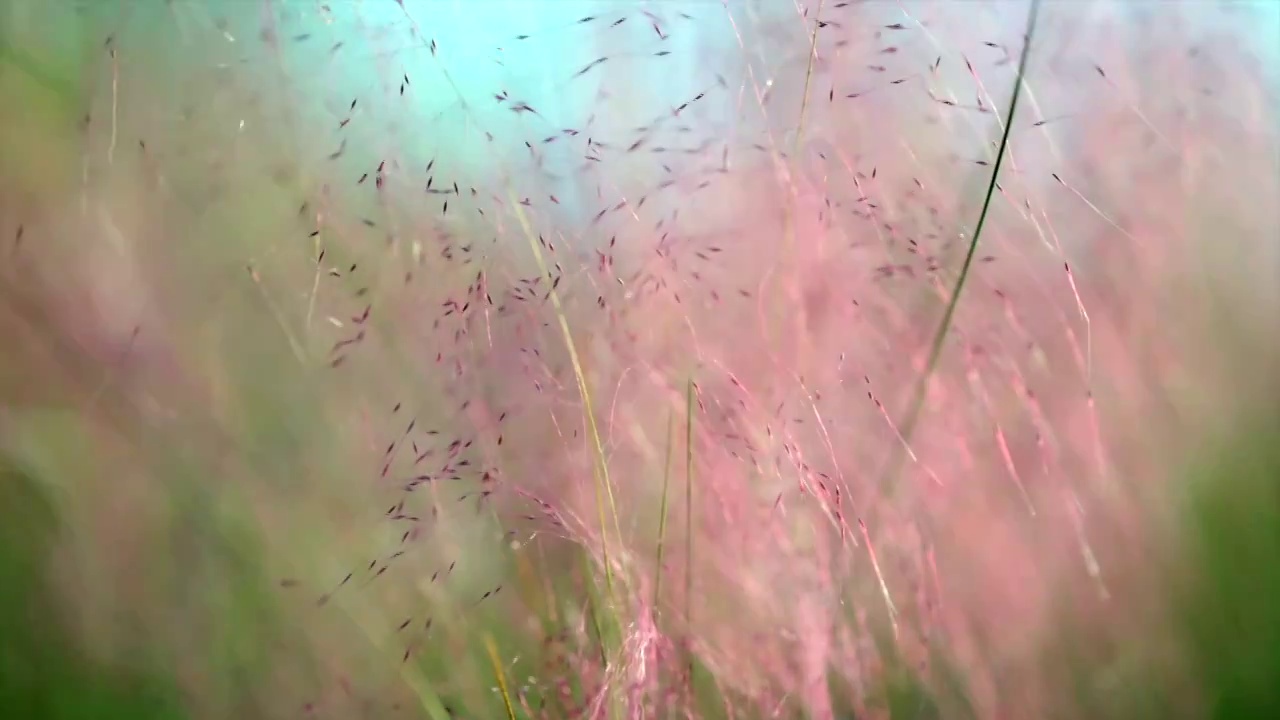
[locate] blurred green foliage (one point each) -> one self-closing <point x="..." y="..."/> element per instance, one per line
<point x="1231" y="612"/>
<point x="42" y="672"/>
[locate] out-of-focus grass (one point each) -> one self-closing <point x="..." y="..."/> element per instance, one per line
<point x="1233" y="534"/>
<point x="159" y="490"/>
<point x="43" y="672"/>
<point x="1214" y="651"/>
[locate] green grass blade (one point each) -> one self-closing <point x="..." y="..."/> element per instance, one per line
<point x="907" y="426"/>
<point x="662" y="519"/>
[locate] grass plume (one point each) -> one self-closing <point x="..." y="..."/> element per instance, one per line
<point x="355" y="352"/>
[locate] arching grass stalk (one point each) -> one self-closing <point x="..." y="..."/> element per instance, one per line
<point x="601" y="474"/>
<point x="907" y="426"/>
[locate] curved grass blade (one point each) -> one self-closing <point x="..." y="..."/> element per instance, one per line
<point x="907" y="426"/>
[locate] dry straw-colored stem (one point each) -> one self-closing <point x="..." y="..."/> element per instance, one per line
<point x="662" y="517"/>
<point x="603" y="486"/>
<point x="500" y="675"/>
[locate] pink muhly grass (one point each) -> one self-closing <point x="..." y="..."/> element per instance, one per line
<point x="732" y="447"/>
